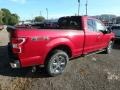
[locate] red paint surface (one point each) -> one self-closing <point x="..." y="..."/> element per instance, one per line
<point x="80" y="42"/>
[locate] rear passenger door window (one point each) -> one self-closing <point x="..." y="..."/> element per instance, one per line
<point x="91" y="25"/>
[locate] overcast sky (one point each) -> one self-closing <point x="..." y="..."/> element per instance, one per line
<point x="28" y="9"/>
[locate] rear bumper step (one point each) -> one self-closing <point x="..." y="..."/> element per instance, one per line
<point x="15" y="64"/>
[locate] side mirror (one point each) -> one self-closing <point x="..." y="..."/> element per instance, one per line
<point x="104" y="31"/>
<point x="107" y="30"/>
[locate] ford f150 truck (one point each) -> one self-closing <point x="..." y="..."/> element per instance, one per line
<point x="72" y="37"/>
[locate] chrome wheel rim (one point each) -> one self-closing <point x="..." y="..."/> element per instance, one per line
<point x="58" y="64"/>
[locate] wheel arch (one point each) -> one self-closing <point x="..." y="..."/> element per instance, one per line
<point x="62" y="47"/>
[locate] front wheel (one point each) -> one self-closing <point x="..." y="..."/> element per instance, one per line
<point x="108" y="50"/>
<point x="56" y="63"/>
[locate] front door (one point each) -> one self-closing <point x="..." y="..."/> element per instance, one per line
<point x="103" y="38"/>
<point x="93" y="37"/>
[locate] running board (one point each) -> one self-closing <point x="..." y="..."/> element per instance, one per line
<point x="85" y="55"/>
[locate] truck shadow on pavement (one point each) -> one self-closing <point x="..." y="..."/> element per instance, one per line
<point x="6" y="70"/>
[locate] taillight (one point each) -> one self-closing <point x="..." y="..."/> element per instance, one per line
<point x="17" y="44"/>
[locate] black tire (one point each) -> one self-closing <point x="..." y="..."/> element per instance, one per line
<point x="56" y="63"/>
<point x="108" y="50"/>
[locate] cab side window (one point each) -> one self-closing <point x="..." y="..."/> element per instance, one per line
<point x="74" y="23"/>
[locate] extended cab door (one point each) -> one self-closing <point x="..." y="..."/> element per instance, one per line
<point x="93" y="37"/>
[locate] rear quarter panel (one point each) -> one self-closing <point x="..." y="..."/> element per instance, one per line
<point x="34" y="52"/>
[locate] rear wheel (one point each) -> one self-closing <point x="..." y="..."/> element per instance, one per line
<point x="108" y="50"/>
<point x="56" y="63"/>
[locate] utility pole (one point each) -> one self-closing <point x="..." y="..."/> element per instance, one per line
<point x="47" y="12"/>
<point x="40" y="13"/>
<point x="86" y="5"/>
<point x="78" y="7"/>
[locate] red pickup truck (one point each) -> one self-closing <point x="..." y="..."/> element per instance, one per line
<point x="74" y="36"/>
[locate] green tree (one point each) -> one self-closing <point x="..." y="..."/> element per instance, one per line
<point x="14" y="19"/>
<point x="1" y="16"/>
<point x="6" y="11"/>
<point x="39" y="19"/>
<point x="6" y="17"/>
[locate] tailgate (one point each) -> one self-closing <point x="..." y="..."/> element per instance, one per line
<point x="11" y="31"/>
